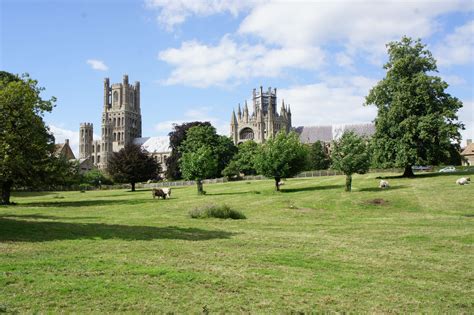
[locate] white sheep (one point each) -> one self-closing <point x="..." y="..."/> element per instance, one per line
<point x="463" y="181"/>
<point x="383" y="184"/>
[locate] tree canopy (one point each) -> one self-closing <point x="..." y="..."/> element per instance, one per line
<point x="319" y="158"/>
<point x="281" y="156"/>
<point x="26" y="145"/>
<point x="243" y="161"/>
<point x="416" y="119"/>
<point x="177" y="137"/>
<point x="350" y="154"/>
<point x="205" y="149"/>
<point x="131" y="165"/>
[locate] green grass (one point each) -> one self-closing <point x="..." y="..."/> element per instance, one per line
<point x="216" y="211"/>
<point x="310" y="248"/>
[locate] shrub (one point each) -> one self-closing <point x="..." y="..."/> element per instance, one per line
<point x="215" y="211"/>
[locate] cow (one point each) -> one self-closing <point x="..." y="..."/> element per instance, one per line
<point x="167" y="191"/>
<point x="383" y="184"/>
<point x="463" y="181"/>
<point x="157" y="192"/>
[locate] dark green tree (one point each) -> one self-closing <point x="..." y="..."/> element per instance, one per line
<point x="416" y="120"/>
<point x="177" y="136"/>
<point x="319" y="158"/>
<point x="26" y="145"/>
<point x="198" y="164"/>
<point x="281" y="157"/>
<point x="350" y="155"/>
<point x="131" y="165"/>
<point x="243" y="161"/>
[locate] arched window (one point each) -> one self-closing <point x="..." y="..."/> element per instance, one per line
<point x="115" y="97"/>
<point x="115" y="136"/>
<point x="246" y="134"/>
<point x="131" y="100"/>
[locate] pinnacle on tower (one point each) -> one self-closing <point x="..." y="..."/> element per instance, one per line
<point x="233" y="119"/>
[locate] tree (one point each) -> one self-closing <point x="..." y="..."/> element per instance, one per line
<point x="218" y="148"/>
<point x="198" y="164"/>
<point x="26" y="145"/>
<point x="281" y="157"/>
<point x="319" y="158"/>
<point x="132" y="164"/>
<point x="350" y="155"/>
<point x="416" y="120"/>
<point x="177" y="137"/>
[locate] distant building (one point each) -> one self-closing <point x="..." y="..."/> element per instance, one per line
<point x="264" y="122"/>
<point x="121" y="125"/>
<point x="468" y="153"/>
<point x="63" y="149"/>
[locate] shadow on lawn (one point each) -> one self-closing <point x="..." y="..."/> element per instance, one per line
<point x="86" y="203"/>
<point x="40" y="231"/>
<point x="312" y="188"/>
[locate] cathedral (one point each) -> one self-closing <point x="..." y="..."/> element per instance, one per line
<point x="121" y="125"/>
<point x="264" y="122"/>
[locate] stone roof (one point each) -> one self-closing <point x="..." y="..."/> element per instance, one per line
<point x="154" y="144"/>
<point x="363" y="130"/>
<point x="469" y="150"/>
<point x="64" y="149"/>
<point x="311" y="134"/>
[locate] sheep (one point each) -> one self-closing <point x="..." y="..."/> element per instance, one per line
<point x="383" y="184"/>
<point x="463" y="181"/>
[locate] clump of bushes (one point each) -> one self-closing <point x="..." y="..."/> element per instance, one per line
<point x="216" y="211"/>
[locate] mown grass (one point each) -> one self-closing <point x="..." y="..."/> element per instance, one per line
<point x="310" y="248"/>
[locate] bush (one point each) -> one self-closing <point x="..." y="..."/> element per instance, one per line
<point x="215" y="211"/>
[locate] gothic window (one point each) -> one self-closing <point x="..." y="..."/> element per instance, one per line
<point x="118" y="121"/>
<point x="98" y="159"/>
<point x="92" y="149"/>
<point x="115" y="136"/>
<point x="246" y="134"/>
<point x="98" y="148"/>
<point x="131" y="100"/>
<point x="115" y="97"/>
<point x="115" y="122"/>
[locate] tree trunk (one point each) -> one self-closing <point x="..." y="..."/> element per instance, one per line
<point x="277" y="183"/>
<point x="199" y="187"/>
<point x="348" y="182"/>
<point x="6" y="189"/>
<point x="133" y="186"/>
<point x="408" y="172"/>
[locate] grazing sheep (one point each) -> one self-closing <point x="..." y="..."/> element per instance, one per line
<point x="463" y="181"/>
<point x="281" y="183"/>
<point x="384" y="184"/>
<point x="157" y="192"/>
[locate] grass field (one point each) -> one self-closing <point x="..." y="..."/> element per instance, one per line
<point x="310" y="248"/>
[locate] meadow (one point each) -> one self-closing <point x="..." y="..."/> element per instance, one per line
<point x="310" y="248"/>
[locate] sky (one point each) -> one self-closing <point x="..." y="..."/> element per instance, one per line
<point x="197" y="60"/>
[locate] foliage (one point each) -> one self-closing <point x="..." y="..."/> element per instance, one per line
<point x="282" y="156"/>
<point x="319" y="158"/>
<point x="26" y="145"/>
<point x="96" y="178"/>
<point x="204" y="154"/>
<point x="216" y="211"/>
<point x="243" y="161"/>
<point x="177" y="137"/>
<point x="131" y="165"/>
<point x="416" y="120"/>
<point x="350" y="155"/>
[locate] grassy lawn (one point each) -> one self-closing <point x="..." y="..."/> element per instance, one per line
<point x="312" y="247"/>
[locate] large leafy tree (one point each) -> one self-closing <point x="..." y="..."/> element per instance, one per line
<point x="319" y="158"/>
<point x="26" y="145"/>
<point x="243" y="161"/>
<point x="416" y="120"/>
<point x="177" y="137"/>
<point x="350" y="155"/>
<point x="198" y="164"/>
<point x="281" y="157"/>
<point x="131" y="165"/>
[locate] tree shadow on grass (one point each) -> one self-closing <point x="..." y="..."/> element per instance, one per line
<point x="87" y="203"/>
<point x="39" y="231"/>
<point x="429" y="175"/>
<point x="254" y="192"/>
<point x="43" y="217"/>
<point x="312" y="188"/>
<point x="383" y="189"/>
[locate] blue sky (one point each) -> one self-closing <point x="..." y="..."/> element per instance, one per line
<point x="196" y="60"/>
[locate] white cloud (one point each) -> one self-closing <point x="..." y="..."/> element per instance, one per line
<point x="466" y="115"/>
<point x="97" y="64"/>
<point x="334" y="101"/>
<point x="457" y="48"/>
<point x="452" y="79"/>
<point x="175" y="12"/>
<point x="227" y="63"/>
<point x="195" y="114"/>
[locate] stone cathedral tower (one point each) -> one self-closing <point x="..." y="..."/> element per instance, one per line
<point x="264" y="122"/>
<point x="121" y="123"/>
